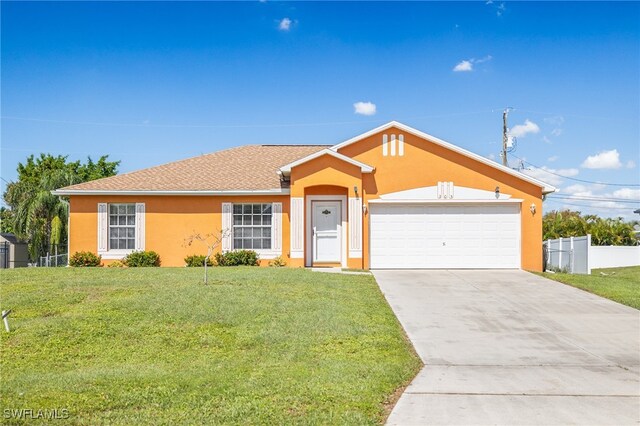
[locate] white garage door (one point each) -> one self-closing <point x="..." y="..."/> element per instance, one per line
<point x="454" y="236"/>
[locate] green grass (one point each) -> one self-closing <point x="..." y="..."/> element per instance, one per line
<point x="622" y="287"/>
<point x="156" y="346"/>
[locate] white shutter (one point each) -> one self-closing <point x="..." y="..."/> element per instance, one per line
<point x="227" y="226"/>
<point x="401" y="145"/>
<point x="297" y="227"/>
<point x="385" y="145"/>
<point x="355" y="227"/>
<point x="103" y="225"/>
<point x="140" y="226"/>
<point x="276" y="228"/>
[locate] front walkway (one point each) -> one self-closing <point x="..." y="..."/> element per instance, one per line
<point x="510" y="347"/>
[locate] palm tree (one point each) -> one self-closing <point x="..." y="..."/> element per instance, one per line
<point x="40" y="216"/>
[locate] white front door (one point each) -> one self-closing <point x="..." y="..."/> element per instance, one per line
<point x="325" y="227"/>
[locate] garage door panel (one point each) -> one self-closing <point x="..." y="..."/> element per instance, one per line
<point x="427" y="236"/>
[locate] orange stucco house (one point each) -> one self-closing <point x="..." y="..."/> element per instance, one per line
<point x="393" y="197"/>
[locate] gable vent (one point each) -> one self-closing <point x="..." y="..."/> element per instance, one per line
<point x="393" y="146"/>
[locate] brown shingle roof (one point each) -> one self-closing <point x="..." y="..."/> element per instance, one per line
<point x="250" y="167"/>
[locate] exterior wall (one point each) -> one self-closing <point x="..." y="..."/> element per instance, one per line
<point x="168" y="221"/>
<point x="425" y="163"/>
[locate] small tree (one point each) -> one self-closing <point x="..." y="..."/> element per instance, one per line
<point x="211" y="241"/>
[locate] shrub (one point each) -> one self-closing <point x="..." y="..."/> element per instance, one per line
<point x="84" y="259"/>
<point x="196" y="260"/>
<point x="116" y="264"/>
<point x="278" y="262"/>
<point x="237" y="258"/>
<point x="141" y="259"/>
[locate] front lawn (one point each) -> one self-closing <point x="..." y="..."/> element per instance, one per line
<point x="619" y="284"/>
<point x="156" y="346"/>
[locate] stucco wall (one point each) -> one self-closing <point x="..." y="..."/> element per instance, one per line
<point x="168" y="222"/>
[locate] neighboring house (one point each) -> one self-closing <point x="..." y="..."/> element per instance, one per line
<point x="393" y="197"/>
<point x="13" y="252"/>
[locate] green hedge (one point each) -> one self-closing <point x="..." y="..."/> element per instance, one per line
<point x="142" y="259"/>
<point x="84" y="259"/>
<point x="237" y="258"/>
<point x="196" y="260"/>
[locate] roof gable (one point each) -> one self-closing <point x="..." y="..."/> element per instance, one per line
<point x="546" y="188"/>
<point x="365" y="168"/>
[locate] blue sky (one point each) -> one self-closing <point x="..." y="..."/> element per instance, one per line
<point x="149" y="83"/>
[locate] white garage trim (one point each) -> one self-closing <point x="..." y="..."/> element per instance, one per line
<point x="446" y="202"/>
<point x="445" y="235"/>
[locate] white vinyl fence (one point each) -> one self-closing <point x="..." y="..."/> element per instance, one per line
<point x="576" y="255"/>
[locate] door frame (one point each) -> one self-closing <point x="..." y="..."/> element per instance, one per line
<point x="342" y="227"/>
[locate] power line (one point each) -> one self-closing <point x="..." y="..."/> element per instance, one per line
<point x="576" y="179"/>
<point x="584" y="205"/>
<point x="596" y="200"/>
<point x="592" y="197"/>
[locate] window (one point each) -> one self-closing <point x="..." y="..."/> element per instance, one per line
<point x="122" y="226"/>
<point x="252" y="226"/>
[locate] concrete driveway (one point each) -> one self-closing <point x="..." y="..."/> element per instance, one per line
<point x="509" y="347"/>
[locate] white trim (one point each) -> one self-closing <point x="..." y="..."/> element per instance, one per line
<point x="546" y="188"/>
<point x="393" y="145"/>
<point x="447" y="201"/>
<point x="385" y="145"/>
<point x="365" y="168"/>
<point x="401" y="145"/>
<point x="227" y="226"/>
<point x="308" y="258"/>
<point x="297" y="228"/>
<point x="103" y="228"/>
<point x="115" y="254"/>
<point x="276" y="191"/>
<point x="355" y="227"/>
<point x="276" y="228"/>
<point x="140" y="227"/>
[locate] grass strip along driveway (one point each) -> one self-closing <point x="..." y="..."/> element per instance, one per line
<point x="621" y="285"/>
<point x="156" y="346"/>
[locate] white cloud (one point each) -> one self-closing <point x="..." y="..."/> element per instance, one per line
<point x="631" y="164"/>
<point x="546" y="140"/>
<point x="576" y="189"/>
<point x="553" y="158"/>
<point x="285" y="24"/>
<point x="364" y="108"/>
<point x="463" y="66"/>
<point x="603" y="160"/>
<point x="491" y="157"/>
<point x="556" y="132"/>
<point x="549" y="175"/>
<point x="467" y="64"/>
<point x="627" y="193"/>
<point x="521" y="130"/>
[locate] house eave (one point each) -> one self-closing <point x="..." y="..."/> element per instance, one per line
<point x="364" y="168"/>
<point x="275" y="191"/>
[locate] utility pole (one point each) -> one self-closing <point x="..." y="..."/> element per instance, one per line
<point x="505" y="113"/>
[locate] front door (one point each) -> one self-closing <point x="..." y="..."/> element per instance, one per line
<point x="325" y="228"/>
